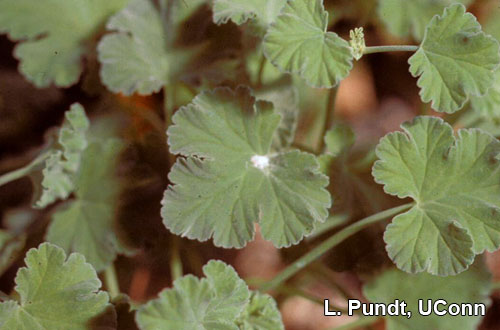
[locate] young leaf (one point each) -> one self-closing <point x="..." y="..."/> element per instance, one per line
<point x="298" y="42"/>
<point x="55" y="293"/>
<point x="213" y="302"/>
<point x="85" y="225"/>
<point x="455" y="60"/>
<point x="263" y="12"/>
<point x="53" y="35"/>
<point x="404" y="17"/>
<point x="62" y="165"/>
<point x="357" y="43"/>
<point x="239" y="181"/>
<point x="472" y="286"/>
<point x="455" y="183"/>
<point x="261" y="313"/>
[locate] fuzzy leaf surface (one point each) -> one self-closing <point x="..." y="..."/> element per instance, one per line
<point x="210" y="303"/>
<point x="472" y="286"/>
<point x="54" y="35"/>
<point x="298" y="42"/>
<point x="85" y="224"/>
<point x="261" y="313"/>
<point x="231" y="179"/>
<point x="456" y="60"/>
<point x="55" y="293"/>
<point x="404" y="18"/>
<point x="455" y="182"/>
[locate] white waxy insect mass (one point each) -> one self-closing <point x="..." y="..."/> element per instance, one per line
<point x="261" y="162"/>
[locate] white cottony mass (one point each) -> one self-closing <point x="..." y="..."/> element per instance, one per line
<point x="261" y="162"/>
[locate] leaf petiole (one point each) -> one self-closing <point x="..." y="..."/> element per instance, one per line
<point x="23" y="171"/>
<point x="331" y="242"/>
<point x="395" y="48"/>
<point x="111" y="281"/>
<point x="329" y="114"/>
<point x="175" y="260"/>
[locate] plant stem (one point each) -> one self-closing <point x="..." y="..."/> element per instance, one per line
<point x="14" y="175"/>
<point x="361" y="322"/>
<point x="383" y="49"/>
<point x="111" y="281"/>
<point x="260" y="74"/>
<point x="168" y="110"/>
<point x="23" y="171"/>
<point x="175" y="260"/>
<point x="495" y="286"/>
<point x="166" y="17"/>
<point x="292" y="291"/>
<point x="331" y="242"/>
<point x="168" y="104"/>
<point x="329" y="113"/>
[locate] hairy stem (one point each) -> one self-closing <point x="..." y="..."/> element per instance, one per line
<point x="23" y="171"/>
<point x="329" y="113"/>
<point x="331" y="242"/>
<point x="111" y="281"/>
<point x="383" y="49"/>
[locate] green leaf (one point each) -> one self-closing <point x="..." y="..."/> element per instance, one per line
<point x="64" y="160"/>
<point x="456" y="60"/>
<point x="472" y="286"/>
<point x="239" y="181"/>
<point x="263" y="12"/>
<point x="55" y="293"/>
<point x="338" y="139"/>
<point x="211" y="303"/>
<point x="455" y="183"/>
<point x="140" y="57"/>
<point x="298" y="42"/>
<point x="86" y="224"/>
<point x="404" y="17"/>
<point x="54" y="35"/>
<point x="261" y="313"/>
<point x="135" y="59"/>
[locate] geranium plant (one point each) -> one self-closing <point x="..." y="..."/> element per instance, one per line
<point x="196" y="128"/>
